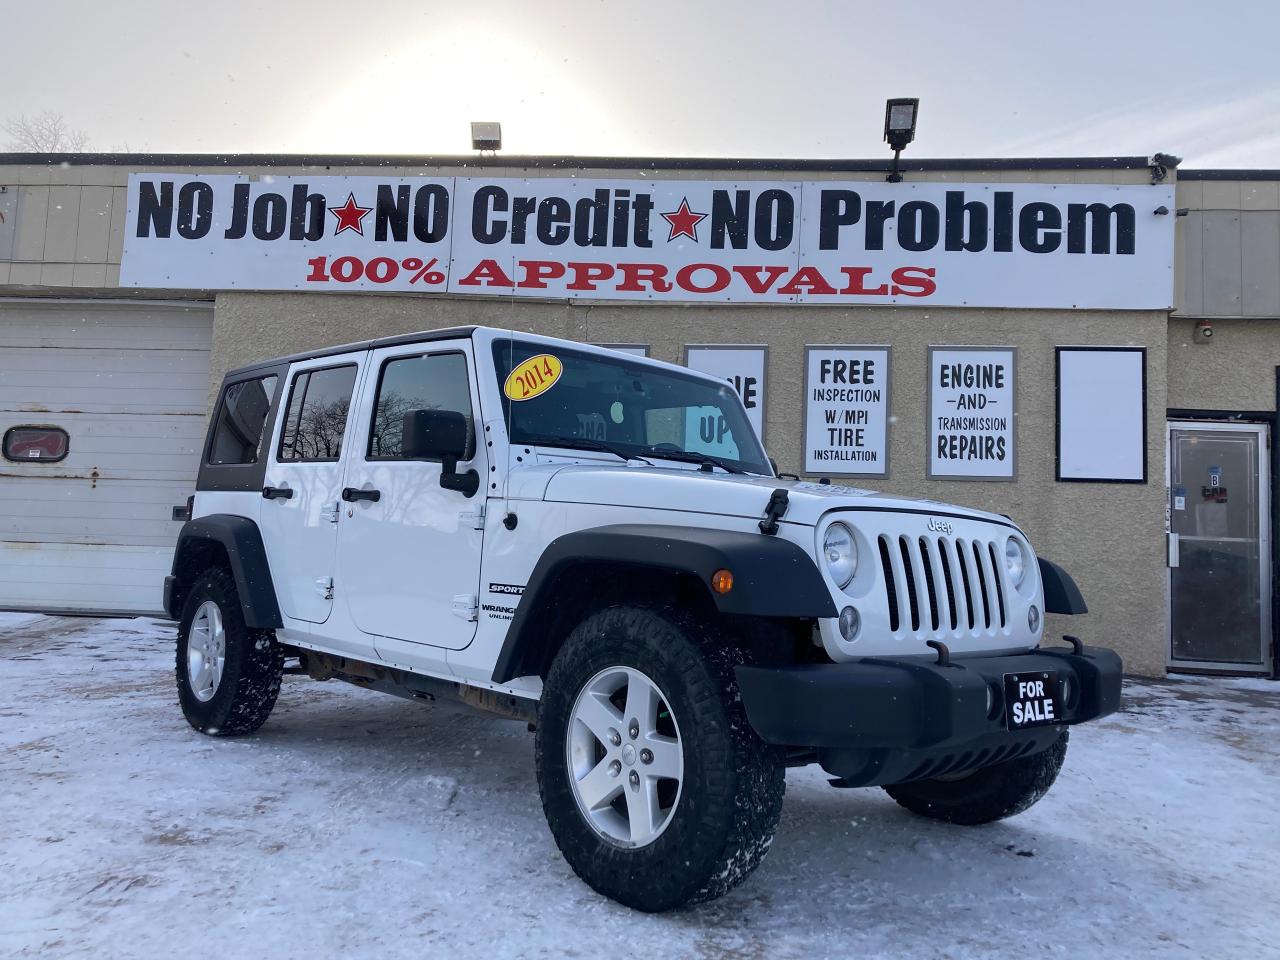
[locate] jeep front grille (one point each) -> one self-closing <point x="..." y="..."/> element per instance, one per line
<point x="942" y="584"/>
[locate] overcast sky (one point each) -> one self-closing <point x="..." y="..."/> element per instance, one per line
<point x="787" y="78"/>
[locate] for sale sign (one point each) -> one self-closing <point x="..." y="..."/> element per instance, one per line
<point x="972" y="417"/>
<point x="846" y="411"/>
<point x="758" y="241"/>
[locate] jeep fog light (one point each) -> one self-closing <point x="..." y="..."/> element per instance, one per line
<point x="1015" y="562"/>
<point x="840" y="553"/>
<point x="1033" y="619"/>
<point x="850" y="623"/>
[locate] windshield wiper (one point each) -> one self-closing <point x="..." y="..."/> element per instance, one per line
<point x="582" y="443"/>
<point x="685" y="456"/>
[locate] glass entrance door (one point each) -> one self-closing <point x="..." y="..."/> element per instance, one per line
<point x="1219" y="546"/>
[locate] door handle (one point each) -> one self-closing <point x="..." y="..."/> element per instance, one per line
<point x="276" y="493"/>
<point x="1175" y="551"/>
<point x="351" y="495"/>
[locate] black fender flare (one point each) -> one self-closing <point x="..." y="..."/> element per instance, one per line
<point x="1061" y="595"/>
<point x="241" y="540"/>
<point x="772" y="577"/>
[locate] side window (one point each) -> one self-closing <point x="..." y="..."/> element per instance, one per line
<point x="432" y="382"/>
<point x="241" y="416"/>
<point x="316" y="416"/>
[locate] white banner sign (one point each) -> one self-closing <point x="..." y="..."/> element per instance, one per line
<point x="846" y="411"/>
<point x="745" y="370"/>
<point x="857" y="242"/>
<point x="972" y="413"/>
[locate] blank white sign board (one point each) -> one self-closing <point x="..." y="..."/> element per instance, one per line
<point x="1102" y="415"/>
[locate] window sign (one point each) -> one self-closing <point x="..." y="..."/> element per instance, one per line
<point x="972" y="415"/>
<point x="745" y="369"/>
<point x="846" y="411"/>
<point x="1102" y="415"/>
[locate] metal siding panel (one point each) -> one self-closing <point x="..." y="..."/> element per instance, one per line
<point x="62" y="224"/>
<point x="115" y="240"/>
<point x="94" y="228"/>
<point x="1192" y="276"/>
<point x="33" y="212"/>
<point x="1222" y="285"/>
<point x="1260" y="264"/>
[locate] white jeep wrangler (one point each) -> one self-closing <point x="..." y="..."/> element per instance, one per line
<point x="598" y="545"/>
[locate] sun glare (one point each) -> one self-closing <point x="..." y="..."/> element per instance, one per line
<point x="420" y="98"/>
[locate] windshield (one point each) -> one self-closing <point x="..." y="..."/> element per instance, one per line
<point x="636" y="410"/>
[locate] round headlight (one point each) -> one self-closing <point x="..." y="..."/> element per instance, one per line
<point x="1015" y="562"/>
<point x="840" y="553"/>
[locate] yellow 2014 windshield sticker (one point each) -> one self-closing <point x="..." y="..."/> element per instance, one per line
<point x="533" y="377"/>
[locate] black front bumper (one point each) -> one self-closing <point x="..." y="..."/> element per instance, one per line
<point x="885" y="720"/>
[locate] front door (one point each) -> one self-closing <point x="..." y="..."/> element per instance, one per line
<point x="409" y="561"/>
<point x="303" y="480"/>
<point x="1219" y="547"/>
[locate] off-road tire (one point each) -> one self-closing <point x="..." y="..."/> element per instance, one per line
<point x="731" y="795"/>
<point x="986" y="795"/>
<point x="252" y="670"/>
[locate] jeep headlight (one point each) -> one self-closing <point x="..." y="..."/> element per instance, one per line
<point x="840" y="553"/>
<point x="1015" y="562"/>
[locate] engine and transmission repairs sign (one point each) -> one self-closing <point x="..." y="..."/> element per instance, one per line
<point x="846" y="411"/>
<point x="823" y="242"/>
<point x="972" y="415"/>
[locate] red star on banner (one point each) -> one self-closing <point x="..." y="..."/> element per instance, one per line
<point x="350" y="216"/>
<point x="684" y="222"/>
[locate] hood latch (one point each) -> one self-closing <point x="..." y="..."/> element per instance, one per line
<point x="773" y="511"/>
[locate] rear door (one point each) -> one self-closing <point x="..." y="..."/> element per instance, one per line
<point x="303" y="483"/>
<point x="409" y="561"/>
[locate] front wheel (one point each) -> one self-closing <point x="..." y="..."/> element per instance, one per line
<point x="656" y="789"/>
<point x="228" y="673"/>
<point x="992" y="793"/>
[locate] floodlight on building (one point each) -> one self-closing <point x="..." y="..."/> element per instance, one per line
<point x="486" y="136"/>
<point x="899" y="128"/>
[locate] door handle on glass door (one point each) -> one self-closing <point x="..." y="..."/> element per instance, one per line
<point x="351" y="495"/>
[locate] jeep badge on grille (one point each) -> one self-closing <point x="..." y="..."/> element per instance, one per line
<point x="938" y="525"/>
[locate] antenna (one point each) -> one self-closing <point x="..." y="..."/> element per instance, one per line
<point x="509" y="519"/>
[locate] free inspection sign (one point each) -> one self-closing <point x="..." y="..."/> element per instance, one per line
<point x="756" y="241"/>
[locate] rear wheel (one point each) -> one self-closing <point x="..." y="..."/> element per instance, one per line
<point x="228" y="674"/>
<point x="657" y="791"/>
<point x="992" y="793"/>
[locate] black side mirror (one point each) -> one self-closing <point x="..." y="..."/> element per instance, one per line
<point x="440" y="435"/>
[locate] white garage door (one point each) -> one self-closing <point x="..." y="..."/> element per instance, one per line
<point x="128" y="382"/>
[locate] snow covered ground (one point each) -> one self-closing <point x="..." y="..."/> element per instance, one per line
<point x="358" y="825"/>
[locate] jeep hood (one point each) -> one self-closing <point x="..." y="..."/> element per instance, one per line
<point x="689" y="489"/>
